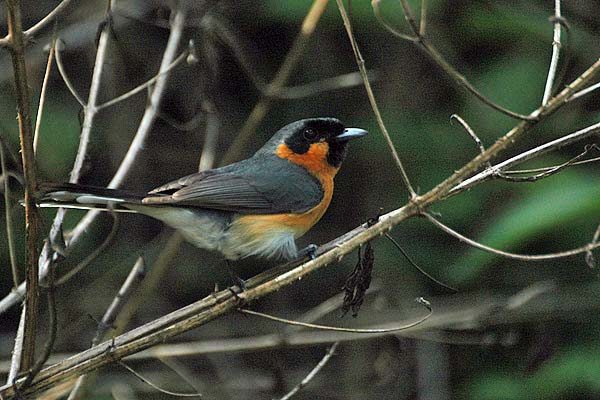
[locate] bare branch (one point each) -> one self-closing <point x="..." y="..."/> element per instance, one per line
<point x="313" y="372"/>
<point x="585" y="91"/>
<point x="387" y="25"/>
<point x="90" y="109"/>
<point x="363" y="71"/>
<point x="226" y="35"/>
<point x="93" y="255"/>
<point x="211" y="134"/>
<point x="52" y="330"/>
<point x="144" y="85"/>
<point x="17" y="353"/>
<point x="14" y="268"/>
<point x="293" y="57"/>
<point x="589" y="256"/>
<point x="470" y="131"/>
<point x="148" y="382"/>
<point x="32" y="219"/>
<point x="471" y="310"/>
<point x="548" y="171"/>
<point x="524" y="257"/>
<point x="38" y="118"/>
<point x="31" y="32"/>
<point x="527" y="155"/>
<point x="337" y="328"/>
<point x="177" y="25"/>
<point x="423" y="23"/>
<point x="436" y="56"/>
<point x="545" y="169"/>
<point x="555" y="53"/>
<point x="133" y="278"/>
<point x="63" y="73"/>
<point x="421" y="270"/>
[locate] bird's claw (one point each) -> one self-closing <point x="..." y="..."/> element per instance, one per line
<point x="310" y="251"/>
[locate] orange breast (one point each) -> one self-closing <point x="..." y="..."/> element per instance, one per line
<point x="315" y="162"/>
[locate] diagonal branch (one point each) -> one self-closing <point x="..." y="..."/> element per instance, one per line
<point x="525" y="156"/>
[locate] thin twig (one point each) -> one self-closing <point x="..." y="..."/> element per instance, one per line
<point x="387" y="25"/>
<point x="524" y="257"/>
<point x="31" y="32"/>
<point x="550" y="171"/>
<point x="211" y="135"/>
<point x="437" y="57"/>
<point x="226" y="35"/>
<point x="14" y="268"/>
<point x="90" y="108"/>
<point x="293" y="57"/>
<point x="131" y="282"/>
<point x="585" y="91"/>
<point x="527" y="155"/>
<point x="52" y="329"/>
<point x="136" y="146"/>
<point x="32" y="218"/>
<point x="38" y="118"/>
<point x="63" y="73"/>
<point x="544" y="169"/>
<point x="423" y="23"/>
<point x="93" y="255"/>
<point x="555" y="53"/>
<point x="148" y="382"/>
<point x="340" y="329"/>
<point x="589" y="256"/>
<point x="421" y="270"/>
<point x="144" y="85"/>
<point x="313" y="372"/>
<point x="470" y="131"/>
<point x="361" y="66"/>
<point x="17" y="353"/>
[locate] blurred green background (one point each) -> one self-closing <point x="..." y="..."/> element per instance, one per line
<point x="548" y="351"/>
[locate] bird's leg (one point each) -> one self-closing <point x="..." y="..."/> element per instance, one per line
<point x="239" y="282"/>
<point x="310" y="251"/>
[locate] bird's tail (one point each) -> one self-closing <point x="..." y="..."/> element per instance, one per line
<point x="84" y="197"/>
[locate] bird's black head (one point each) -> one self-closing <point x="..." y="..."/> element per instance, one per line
<point x="311" y="141"/>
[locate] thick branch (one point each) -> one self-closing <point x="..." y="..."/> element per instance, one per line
<point x="17" y="50"/>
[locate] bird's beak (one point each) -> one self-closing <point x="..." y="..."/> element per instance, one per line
<point x="350" y="133"/>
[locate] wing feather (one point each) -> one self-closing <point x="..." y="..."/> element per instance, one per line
<point x="243" y="187"/>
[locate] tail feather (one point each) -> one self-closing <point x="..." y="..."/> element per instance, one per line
<point x="70" y="195"/>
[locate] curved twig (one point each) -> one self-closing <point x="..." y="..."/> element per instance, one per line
<point x="524" y="257"/>
<point x="340" y="329"/>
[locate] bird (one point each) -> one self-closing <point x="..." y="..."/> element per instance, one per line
<point x="255" y="207"/>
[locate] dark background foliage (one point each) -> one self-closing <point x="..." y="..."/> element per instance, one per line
<point x="550" y="351"/>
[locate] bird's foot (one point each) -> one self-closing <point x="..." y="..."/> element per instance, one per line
<point x="310" y="251"/>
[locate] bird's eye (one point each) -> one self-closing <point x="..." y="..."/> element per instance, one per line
<point x="310" y="134"/>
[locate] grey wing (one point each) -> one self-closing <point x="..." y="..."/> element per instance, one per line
<point x="247" y="187"/>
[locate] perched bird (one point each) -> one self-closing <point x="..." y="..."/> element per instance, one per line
<point x="255" y="207"/>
